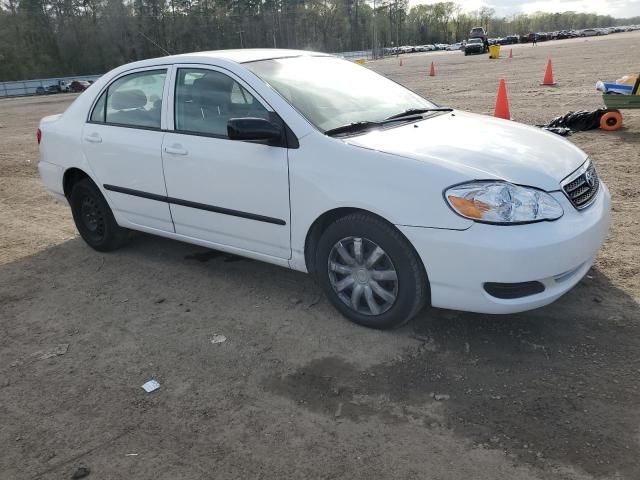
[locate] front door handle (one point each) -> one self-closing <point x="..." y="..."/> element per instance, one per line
<point x="176" y="150"/>
<point x="93" y="138"/>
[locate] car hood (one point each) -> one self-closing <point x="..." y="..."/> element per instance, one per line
<point x="481" y="148"/>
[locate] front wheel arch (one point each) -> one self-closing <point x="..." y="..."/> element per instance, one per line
<point x="411" y="290"/>
<point x="327" y="218"/>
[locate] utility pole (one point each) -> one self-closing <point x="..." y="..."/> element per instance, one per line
<point x="240" y="32"/>
<point x="374" y="32"/>
<point x="397" y="25"/>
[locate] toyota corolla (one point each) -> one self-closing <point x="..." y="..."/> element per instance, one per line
<point x="317" y="164"/>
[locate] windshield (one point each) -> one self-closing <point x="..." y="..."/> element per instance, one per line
<point x="474" y="40"/>
<point x="331" y="92"/>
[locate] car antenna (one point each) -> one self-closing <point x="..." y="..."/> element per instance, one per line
<point x="154" y="43"/>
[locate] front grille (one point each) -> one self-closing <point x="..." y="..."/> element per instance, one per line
<point x="581" y="187"/>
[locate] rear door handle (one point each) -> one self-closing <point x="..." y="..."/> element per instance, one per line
<point x="93" y="138"/>
<point x="176" y="150"/>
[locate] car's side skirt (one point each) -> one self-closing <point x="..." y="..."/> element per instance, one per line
<point x="281" y="262"/>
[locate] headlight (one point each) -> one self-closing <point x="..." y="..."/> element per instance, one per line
<point x="502" y="203"/>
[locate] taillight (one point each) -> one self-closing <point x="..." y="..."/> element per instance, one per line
<point x="39" y="136"/>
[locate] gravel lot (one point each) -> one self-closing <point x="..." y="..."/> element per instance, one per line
<point x="296" y="391"/>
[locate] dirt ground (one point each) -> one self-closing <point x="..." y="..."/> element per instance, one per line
<point x="296" y="391"/>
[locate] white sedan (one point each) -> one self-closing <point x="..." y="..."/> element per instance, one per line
<point x="317" y="164"/>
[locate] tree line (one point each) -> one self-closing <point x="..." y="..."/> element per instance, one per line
<point x="45" y="38"/>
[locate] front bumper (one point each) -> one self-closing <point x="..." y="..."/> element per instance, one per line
<point x="557" y="254"/>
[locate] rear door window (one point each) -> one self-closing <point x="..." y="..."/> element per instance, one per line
<point x="133" y="100"/>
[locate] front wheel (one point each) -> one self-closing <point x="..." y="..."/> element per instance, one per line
<point x="370" y="272"/>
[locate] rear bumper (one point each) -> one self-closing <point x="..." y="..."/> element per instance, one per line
<point x="557" y="254"/>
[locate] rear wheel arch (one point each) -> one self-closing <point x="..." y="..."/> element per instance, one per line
<point x="71" y="177"/>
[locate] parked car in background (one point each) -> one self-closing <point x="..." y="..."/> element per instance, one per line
<point x="474" y="46"/>
<point x="61" y="86"/>
<point x="64" y="86"/>
<point x="285" y="156"/>
<point x="41" y="91"/>
<point x="589" y="32"/>
<point x="455" y="46"/>
<point x="79" y="85"/>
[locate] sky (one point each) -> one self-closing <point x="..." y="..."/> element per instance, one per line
<point x="616" y="8"/>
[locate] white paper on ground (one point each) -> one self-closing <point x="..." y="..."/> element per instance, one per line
<point x="150" y="386"/>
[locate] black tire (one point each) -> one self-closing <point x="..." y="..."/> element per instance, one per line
<point x="94" y="219"/>
<point x="412" y="281"/>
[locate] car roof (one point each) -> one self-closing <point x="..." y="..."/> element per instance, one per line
<point x="245" y="55"/>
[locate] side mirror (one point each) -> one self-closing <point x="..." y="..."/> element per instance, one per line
<point x="250" y="128"/>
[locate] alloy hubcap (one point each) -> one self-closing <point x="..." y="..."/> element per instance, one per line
<point x="363" y="276"/>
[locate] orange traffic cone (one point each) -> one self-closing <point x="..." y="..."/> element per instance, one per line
<point x="548" y="75"/>
<point x="511" y="53"/>
<point x="432" y="72"/>
<point x="400" y="62"/>
<point x="502" y="102"/>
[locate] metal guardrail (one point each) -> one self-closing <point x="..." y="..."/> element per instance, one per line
<point x="22" y="88"/>
<point x="355" y="55"/>
<point x="364" y="54"/>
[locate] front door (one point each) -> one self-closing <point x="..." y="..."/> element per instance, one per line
<point x="231" y="193"/>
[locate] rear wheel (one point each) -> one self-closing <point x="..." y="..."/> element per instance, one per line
<point x="370" y="272"/>
<point x="94" y="219"/>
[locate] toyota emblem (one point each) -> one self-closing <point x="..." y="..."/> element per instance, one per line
<point x="590" y="178"/>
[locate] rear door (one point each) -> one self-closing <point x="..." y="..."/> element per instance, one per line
<point x="122" y="141"/>
<point x="229" y="192"/>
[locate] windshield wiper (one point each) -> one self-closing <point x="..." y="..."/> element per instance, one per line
<point x="416" y="111"/>
<point x="352" y="127"/>
<point x="368" y="125"/>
